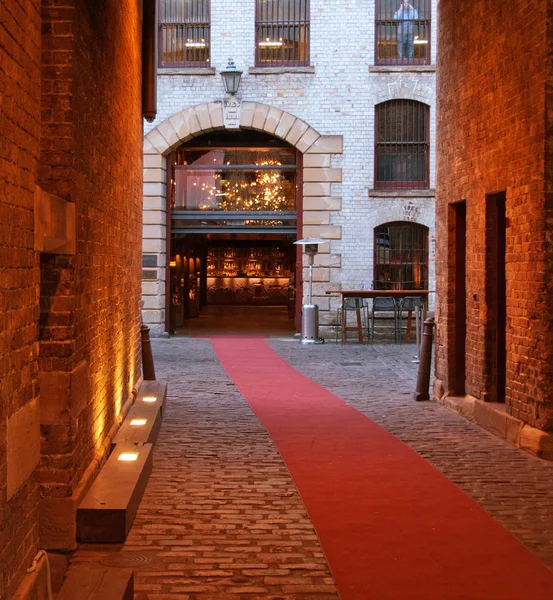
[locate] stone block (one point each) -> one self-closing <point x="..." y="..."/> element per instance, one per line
<point x="273" y="118"/>
<point x="284" y="125"/>
<point x="318" y="175"/>
<point x="92" y="581"/>
<point x="154" y="231"/>
<point x="325" y="232"/>
<point x="537" y="442"/>
<point x="22" y="446"/>
<point x="154" y="203"/>
<point x="322" y="203"/>
<point x="148" y="147"/>
<point x="202" y="112"/>
<point x="248" y="112"/>
<point x="316" y="160"/>
<point x="155" y="161"/>
<point x="168" y="132"/>
<point x="316" y="217"/>
<point x="296" y="131"/>
<point x="316" y="189"/>
<point x="107" y="511"/>
<point x="320" y="274"/>
<point x="153" y="288"/>
<point x="154" y="189"/>
<point x="154" y="175"/>
<point x="259" y="116"/>
<point x="216" y="114"/>
<point x="155" y="217"/>
<point x="63" y="395"/>
<point x="307" y="140"/>
<point x="154" y="246"/>
<point x="54" y="220"/>
<point x="191" y="122"/>
<point x="180" y="125"/>
<point x="327" y="144"/>
<point x="158" y="142"/>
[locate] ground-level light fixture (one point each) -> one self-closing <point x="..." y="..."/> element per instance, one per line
<point x="138" y="422"/>
<point x="310" y="311"/>
<point x="231" y="77"/>
<point x="149" y="399"/>
<point x="128" y="456"/>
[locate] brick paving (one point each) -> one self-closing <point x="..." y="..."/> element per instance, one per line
<point x="221" y="518"/>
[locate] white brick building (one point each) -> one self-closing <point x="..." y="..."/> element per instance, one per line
<point x="325" y="110"/>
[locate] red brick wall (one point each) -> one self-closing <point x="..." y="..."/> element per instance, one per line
<point x="91" y="155"/>
<point x="19" y="132"/>
<point x="491" y="138"/>
<point x="82" y="140"/>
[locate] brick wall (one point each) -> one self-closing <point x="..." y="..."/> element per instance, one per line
<point x="19" y="273"/>
<point x="69" y="322"/>
<point x="337" y="97"/>
<point x="90" y="302"/>
<point x="491" y="138"/>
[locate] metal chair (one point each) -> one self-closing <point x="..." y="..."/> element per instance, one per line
<point x="384" y="304"/>
<point x="410" y="304"/>
<point x="351" y="305"/>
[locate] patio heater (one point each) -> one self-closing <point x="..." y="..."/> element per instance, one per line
<point x="310" y="311"/>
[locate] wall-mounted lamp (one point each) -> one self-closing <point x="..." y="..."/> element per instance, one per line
<point x="231" y="77"/>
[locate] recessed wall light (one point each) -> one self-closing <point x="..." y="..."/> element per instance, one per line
<point x="149" y="399"/>
<point x="139" y="422"/>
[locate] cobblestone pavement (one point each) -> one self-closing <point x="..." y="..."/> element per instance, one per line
<point x="221" y="518"/>
<point x="511" y="485"/>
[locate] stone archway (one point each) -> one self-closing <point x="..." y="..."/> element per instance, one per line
<point x="317" y="176"/>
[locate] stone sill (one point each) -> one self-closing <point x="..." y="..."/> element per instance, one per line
<point x="402" y="69"/>
<point x="493" y="417"/>
<point x="374" y="193"/>
<point x="280" y="70"/>
<point x="203" y="71"/>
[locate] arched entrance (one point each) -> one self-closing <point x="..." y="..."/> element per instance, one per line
<point x="234" y="202"/>
<point x="301" y="182"/>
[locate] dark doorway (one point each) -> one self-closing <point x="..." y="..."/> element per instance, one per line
<point x="459" y="217"/>
<point x="496" y="296"/>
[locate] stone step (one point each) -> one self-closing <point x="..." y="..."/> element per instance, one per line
<point x="95" y="582"/>
<point x="107" y="511"/>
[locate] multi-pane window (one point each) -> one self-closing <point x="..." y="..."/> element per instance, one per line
<point x="403" y="32"/>
<point x="401" y="256"/>
<point x="282" y="33"/>
<point x="184" y="33"/>
<point x="401" y="152"/>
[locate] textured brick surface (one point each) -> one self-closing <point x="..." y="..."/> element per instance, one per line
<point x="221" y="518"/>
<point x="70" y="124"/>
<point x="491" y="142"/>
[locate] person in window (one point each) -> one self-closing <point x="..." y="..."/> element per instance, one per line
<point x="406" y="14"/>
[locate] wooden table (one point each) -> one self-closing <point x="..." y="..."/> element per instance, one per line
<point x="376" y="294"/>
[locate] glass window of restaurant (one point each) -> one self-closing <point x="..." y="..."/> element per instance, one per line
<point x="401" y="256"/>
<point x="403" y="32"/>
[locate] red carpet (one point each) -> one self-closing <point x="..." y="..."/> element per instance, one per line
<point x="391" y="526"/>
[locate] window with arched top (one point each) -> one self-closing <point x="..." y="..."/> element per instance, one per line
<point x="401" y="256"/>
<point x="402" y="32"/>
<point x="402" y="145"/>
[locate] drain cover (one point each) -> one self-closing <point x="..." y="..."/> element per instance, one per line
<point x="125" y="559"/>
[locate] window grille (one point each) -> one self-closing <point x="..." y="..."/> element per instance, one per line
<point x="282" y="33"/>
<point x="401" y="256"/>
<point x="184" y="36"/>
<point x="403" y="32"/>
<point x="401" y="153"/>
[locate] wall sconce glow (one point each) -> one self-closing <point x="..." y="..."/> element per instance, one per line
<point x="138" y="422"/>
<point x="128" y="456"/>
<point x="149" y="399"/>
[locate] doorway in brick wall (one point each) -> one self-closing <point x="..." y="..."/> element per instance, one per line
<point x="496" y="296"/>
<point x="233" y="200"/>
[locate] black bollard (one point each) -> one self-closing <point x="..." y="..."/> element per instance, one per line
<point x="423" y="377"/>
<point x="148" y="370"/>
